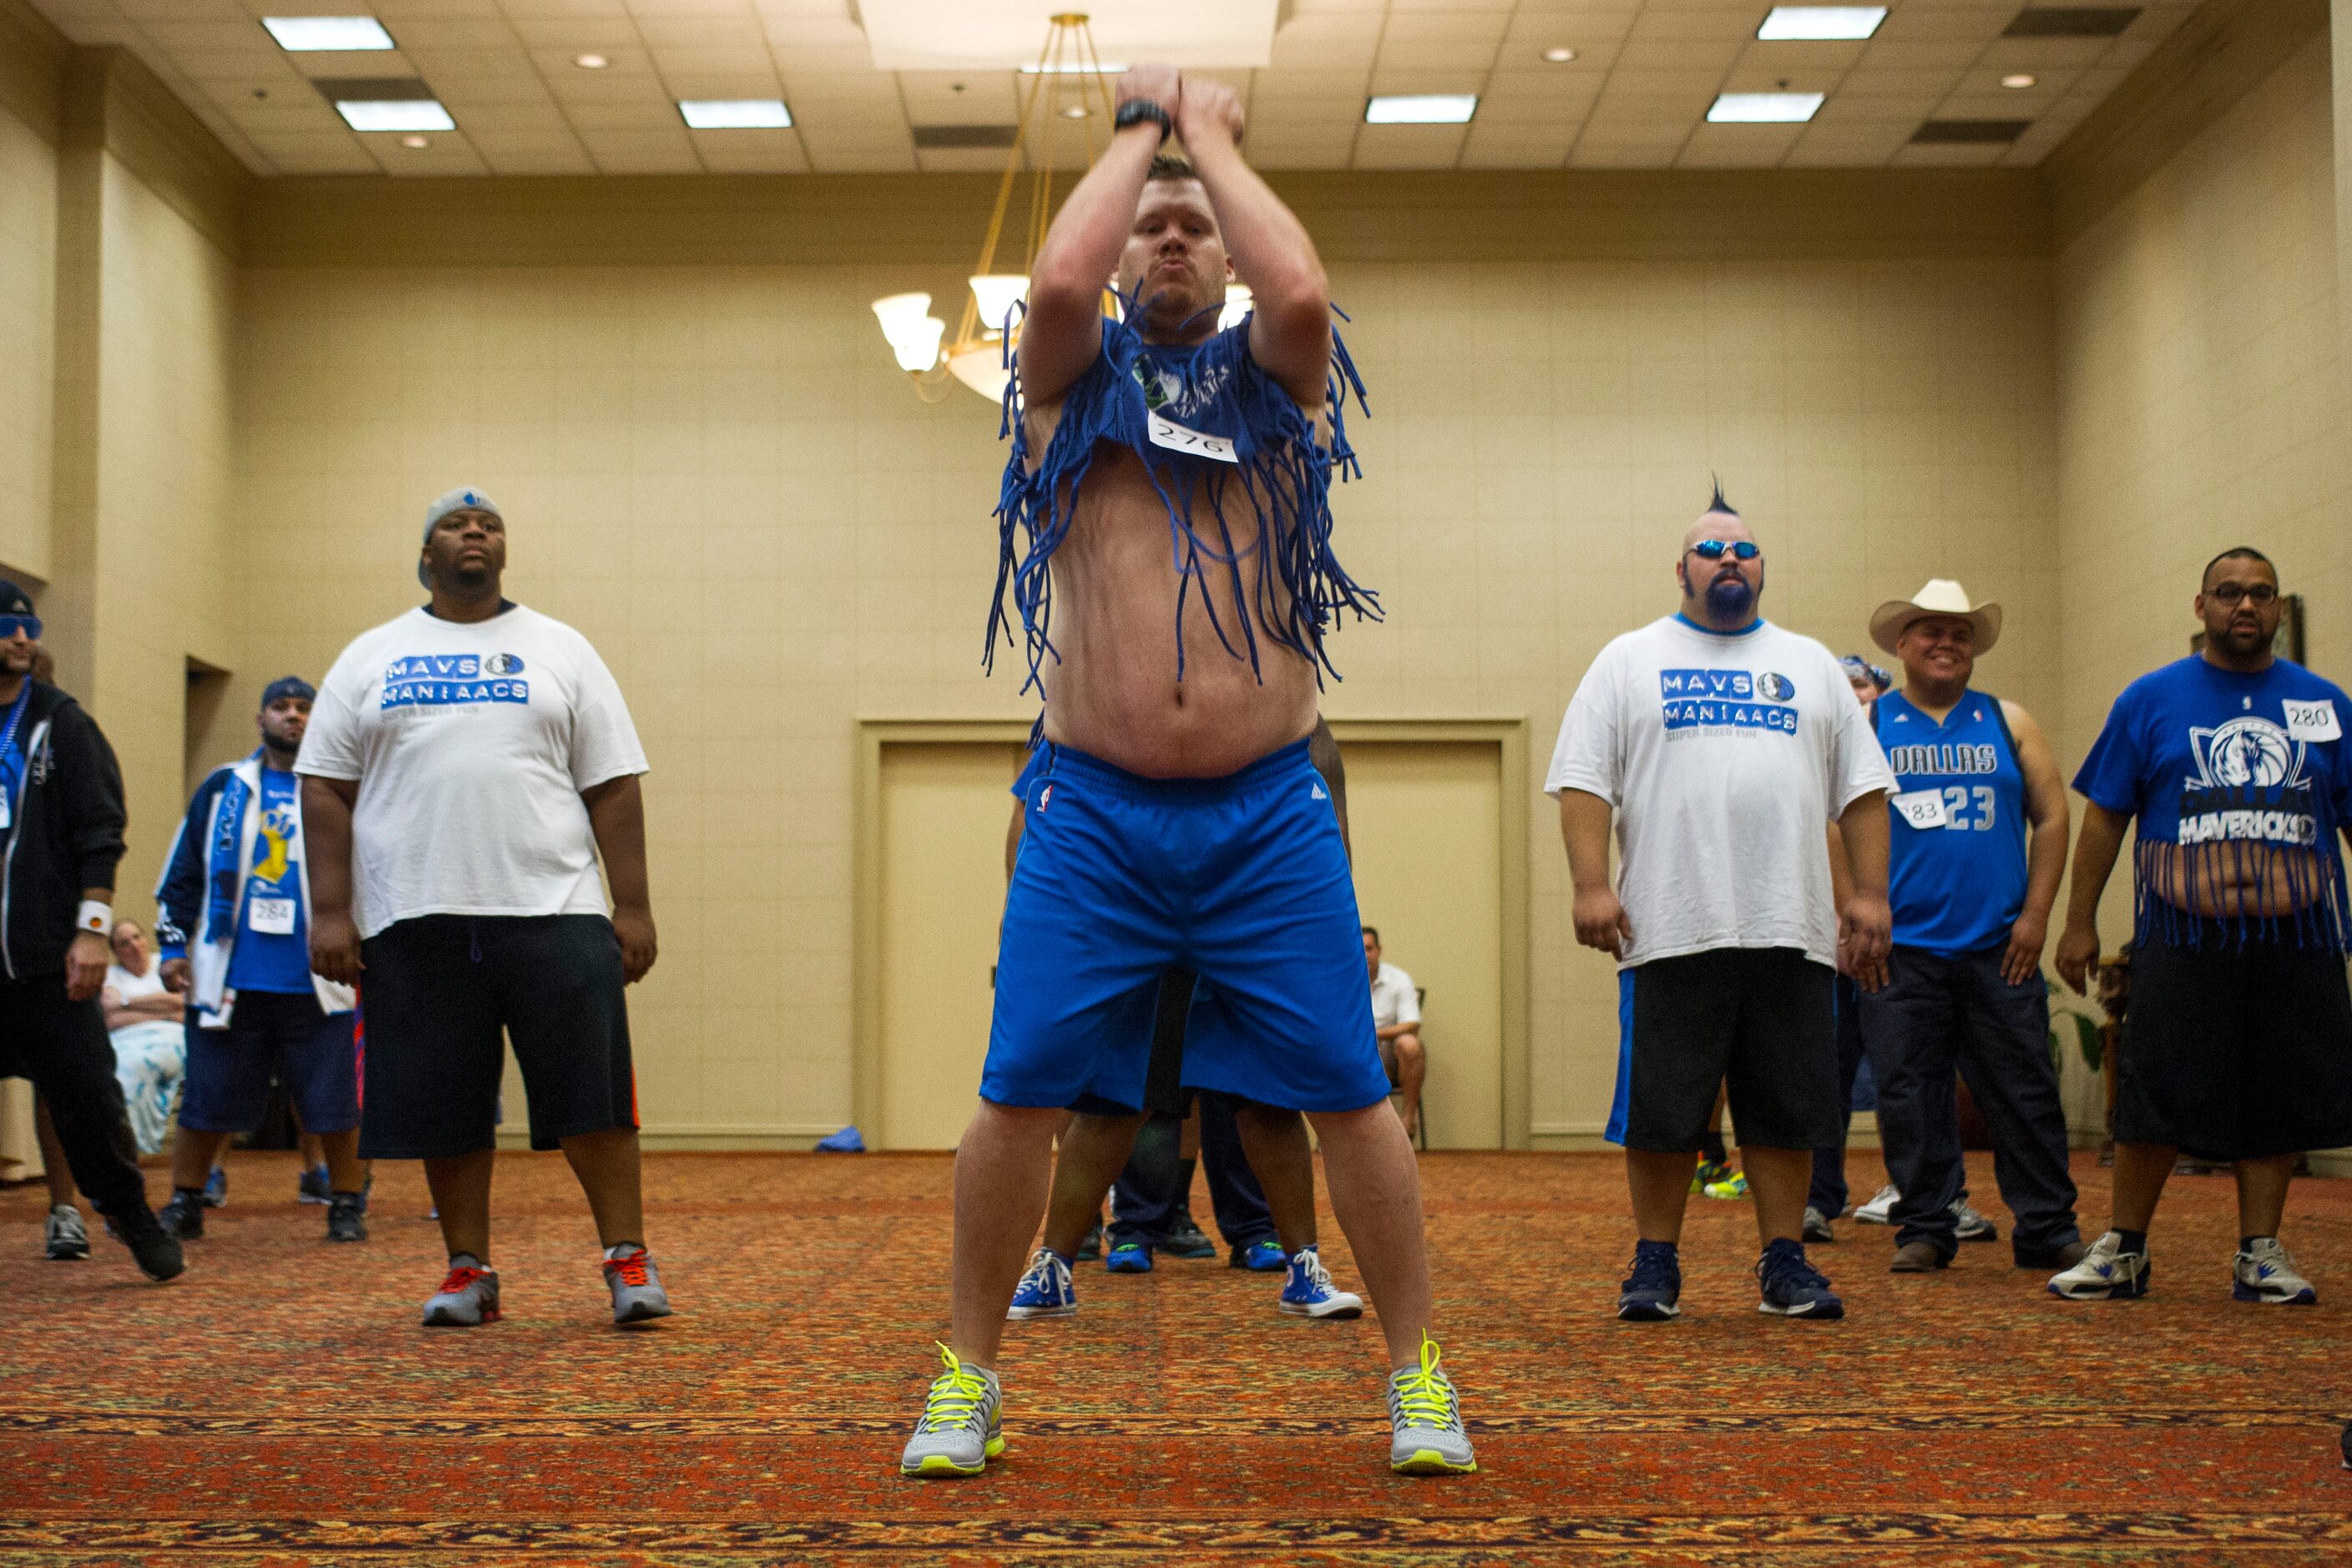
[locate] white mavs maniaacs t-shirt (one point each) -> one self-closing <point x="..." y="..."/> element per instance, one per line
<point x="471" y="742"/>
<point x="1726" y="755"/>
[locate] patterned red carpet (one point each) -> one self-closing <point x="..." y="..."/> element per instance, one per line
<point x="277" y="1404"/>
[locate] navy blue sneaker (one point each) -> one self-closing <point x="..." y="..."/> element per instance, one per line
<point x="1259" y="1256"/>
<point x="1185" y="1240"/>
<point x="311" y="1186"/>
<point x="1650" y="1293"/>
<point x="216" y="1188"/>
<point x="1793" y="1288"/>
<point x="1129" y="1258"/>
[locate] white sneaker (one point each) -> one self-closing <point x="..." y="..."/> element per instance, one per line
<point x="1879" y="1210"/>
<point x="2107" y="1273"/>
<point x="2265" y="1273"/>
<point x="1971" y="1226"/>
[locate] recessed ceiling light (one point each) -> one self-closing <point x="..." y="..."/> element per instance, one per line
<point x="415" y="144"/>
<point x="590" y="62"/>
<point x="1421" y="108"/>
<point x="1822" y="22"/>
<point x="1559" y="56"/>
<point x="1764" y="108"/>
<point x="303" y="35"/>
<point x="1075" y="111"/>
<point x="735" y="113"/>
<point x="394" y="114"/>
<point x="2018" y="78"/>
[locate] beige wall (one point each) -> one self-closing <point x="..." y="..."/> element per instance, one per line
<point x="2202" y="403"/>
<point x="28" y="272"/>
<point x="716" y="473"/>
<point x="165" y="552"/>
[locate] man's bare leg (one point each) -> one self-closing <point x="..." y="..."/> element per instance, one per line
<point x="1376" y="1193"/>
<point x="1777" y="1180"/>
<point x="1002" y="1169"/>
<point x="460" y="1184"/>
<point x="1093" y="1151"/>
<point x="1412" y="1067"/>
<point x="1660" y="1183"/>
<point x="607" y="1166"/>
<point x="2262" y="1194"/>
<point x="1274" y="1143"/>
<point x="2141" y="1170"/>
<point x="193" y="1155"/>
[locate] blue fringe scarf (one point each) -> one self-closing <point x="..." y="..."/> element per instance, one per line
<point x="1290" y="585"/>
<point x="2259" y="841"/>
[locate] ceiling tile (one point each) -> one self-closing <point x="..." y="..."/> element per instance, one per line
<point x="1406" y="79"/>
<point x="647" y="117"/>
<point x="1738" y="146"/>
<point x="1408" y="146"/>
<point x="468" y="93"/>
<point x="1916" y="155"/>
<point x="641" y="152"/>
<point x="540" y="119"/>
<point x="444" y="152"/>
<point x="751" y="151"/>
<point x="959" y="98"/>
<point x="1860" y="143"/>
<point x="532" y="153"/>
<point x="329" y="155"/>
<point x="1945" y="24"/>
<point x="1920" y="56"/>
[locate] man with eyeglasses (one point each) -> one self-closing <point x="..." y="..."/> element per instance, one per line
<point x="2231" y="765"/>
<point x="1723" y="746"/>
<point x="61" y="820"/>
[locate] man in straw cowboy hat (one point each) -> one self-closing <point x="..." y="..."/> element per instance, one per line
<point x="1978" y="846"/>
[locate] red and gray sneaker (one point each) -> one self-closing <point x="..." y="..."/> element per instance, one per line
<point x="636" y="1287"/>
<point x="468" y="1298"/>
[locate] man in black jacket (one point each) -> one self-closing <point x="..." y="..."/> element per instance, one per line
<point x="60" y="837"/>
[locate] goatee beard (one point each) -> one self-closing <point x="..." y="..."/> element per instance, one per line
<point x="1731" y="600"/>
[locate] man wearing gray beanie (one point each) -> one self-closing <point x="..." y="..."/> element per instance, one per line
<point x="464" y="767"/>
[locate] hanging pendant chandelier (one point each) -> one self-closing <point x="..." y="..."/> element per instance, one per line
<point x="1067" y="90"/>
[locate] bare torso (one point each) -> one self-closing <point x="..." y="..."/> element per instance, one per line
<point x="1114" y="693"/>
<point x="2251" y="881"/>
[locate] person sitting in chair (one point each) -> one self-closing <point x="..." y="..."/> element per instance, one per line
<point x="1396" y="1012"/>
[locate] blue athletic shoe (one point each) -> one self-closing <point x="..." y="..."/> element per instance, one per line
<point x="1793" y="1288"/>
<point x="1046" y="1290"/>
<point x="1309" y="1293"/>
<point x="1259" y="1257"/>
<point x="311" y="1186"/>
<point x="1652" y="1293"/>
<point x="216" y="1188"/>
<point x="1129" y="1258"/>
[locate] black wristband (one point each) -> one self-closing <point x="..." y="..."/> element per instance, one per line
<point x="1136" y="110"/>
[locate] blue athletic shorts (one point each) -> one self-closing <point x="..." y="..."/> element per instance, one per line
<point x="312" y="1053"/>
<point x="1242" y="879"/>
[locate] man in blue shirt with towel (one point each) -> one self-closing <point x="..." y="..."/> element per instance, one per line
<point x="1971" y="890"/>
<point x="233" y="918"/>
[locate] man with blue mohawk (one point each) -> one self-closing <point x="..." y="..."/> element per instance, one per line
<point x="1168" y="492"/>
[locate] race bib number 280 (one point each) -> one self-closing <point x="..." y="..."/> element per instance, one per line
<point x="2313" y="720"/>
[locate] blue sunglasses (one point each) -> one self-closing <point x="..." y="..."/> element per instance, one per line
<point x="1715" y="549"/>
<point x="28" y="625"/>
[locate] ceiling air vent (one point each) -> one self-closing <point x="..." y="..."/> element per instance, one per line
<point x="1970" y="133"/>
<point x="371" y="89"/>
<point x="940" y="137"/>
<point x="2072" y="21"/>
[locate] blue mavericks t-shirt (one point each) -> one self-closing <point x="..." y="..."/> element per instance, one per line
<point x="2238" y="784"/>
<point x="273" y="929"/>
<point x="1956" y="887"/>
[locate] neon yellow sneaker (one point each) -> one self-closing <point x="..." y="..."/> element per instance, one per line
<point x="961" y="1427"/>
<point x="1709" y="1171"/>
<point x="1733" y="1185"/>
<point x="1426" y="1420"/>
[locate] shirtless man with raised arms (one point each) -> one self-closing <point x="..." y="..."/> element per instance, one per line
<point x="1167" y="541"/>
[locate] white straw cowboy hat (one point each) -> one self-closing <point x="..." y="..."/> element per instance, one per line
<point x="1941" y="596"/>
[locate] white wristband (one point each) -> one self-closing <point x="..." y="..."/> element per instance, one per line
<point x="95" y="917"/>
